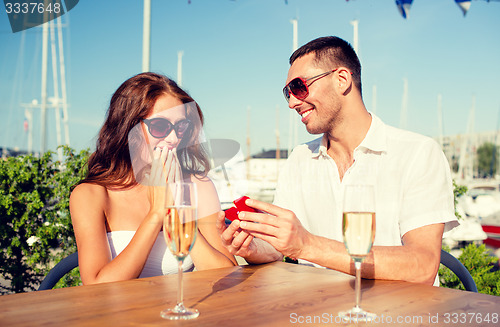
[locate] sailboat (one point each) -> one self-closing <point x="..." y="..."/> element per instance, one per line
<point x="482" y="200"/>
<point x="491" y="221"/>
<point x="52" y="40"/>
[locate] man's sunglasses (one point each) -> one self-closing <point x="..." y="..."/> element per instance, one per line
<point x="299" y="87"/>
<point x="161" y="127"/>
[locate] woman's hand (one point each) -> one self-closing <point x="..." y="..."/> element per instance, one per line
<point x="165" y="168"/>
<point x="172" y="166"/>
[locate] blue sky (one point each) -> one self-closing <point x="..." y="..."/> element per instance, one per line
<point x="236" y="60"/>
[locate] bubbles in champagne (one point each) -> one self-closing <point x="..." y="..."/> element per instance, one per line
<point x="180" y="227"/>
<point x="358" y="229"/>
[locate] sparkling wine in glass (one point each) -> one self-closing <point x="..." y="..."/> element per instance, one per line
<point x="358" y="230"/>
<point x="180" y="228"/>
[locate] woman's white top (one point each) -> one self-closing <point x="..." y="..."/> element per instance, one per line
<point x="160" y="261"/>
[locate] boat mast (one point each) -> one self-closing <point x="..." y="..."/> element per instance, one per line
<point x="179" y="67"/>
<point x="355" y="42"/>
<point x="403" y="122"/>
<point x="440" y="120"/>
<point x="494" y="160"/>
<point x="292" y="127"/>
<point x="63" y="82"/>
<point x="55" y="99"/>
<point x="248" y="142"/>
<point x="146" y="37"/>
<point x="43" y="105"/>
<point x="374" y="98"/>
<point x="465" y="163"/>
<point x="277" y="132"/>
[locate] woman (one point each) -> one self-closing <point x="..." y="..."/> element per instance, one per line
<point x="117" y="210"/>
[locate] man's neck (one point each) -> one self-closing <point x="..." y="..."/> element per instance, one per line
<point x="343" y="139"/>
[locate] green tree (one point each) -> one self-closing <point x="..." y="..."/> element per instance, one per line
<point x="35" y="225"/>
<point x="458" y="191"/>
<point x="480" y="263"/>
<point x="478" y="260"/>
<point x="487" y="160"/>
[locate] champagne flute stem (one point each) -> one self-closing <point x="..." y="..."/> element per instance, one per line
<point x="180" y="289"/>
<point x="357" y="265"/>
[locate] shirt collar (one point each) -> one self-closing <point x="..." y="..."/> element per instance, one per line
<point x="318" y="146"/>
<point x="375" y="140"/>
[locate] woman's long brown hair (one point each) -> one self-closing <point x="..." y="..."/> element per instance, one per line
<point x="110" y="165"/>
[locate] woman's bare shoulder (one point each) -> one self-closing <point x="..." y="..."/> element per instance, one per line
<point x="87" y="191"/>
<point x="87" y="205"/>
<point x="208" y="199"/>
<point x="203" y="182"/>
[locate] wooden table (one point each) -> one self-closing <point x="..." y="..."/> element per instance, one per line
<point x="277" y="294"/>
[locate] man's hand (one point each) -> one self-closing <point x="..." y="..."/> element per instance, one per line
<point x="241" y="243"/>
<point x="277" y="226"/>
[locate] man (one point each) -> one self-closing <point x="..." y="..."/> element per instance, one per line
<point x="414" y="192"/>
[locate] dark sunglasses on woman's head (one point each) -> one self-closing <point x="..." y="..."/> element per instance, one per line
<point x="299" y="87"/>
<point x="161" y="127"/>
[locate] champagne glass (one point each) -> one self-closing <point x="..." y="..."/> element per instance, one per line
<point x="358" y="229"/>
<point x="180" y="228"/>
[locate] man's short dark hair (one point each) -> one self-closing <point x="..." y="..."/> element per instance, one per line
<point x="332" y="52"/>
